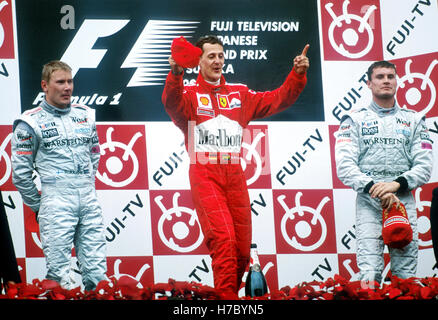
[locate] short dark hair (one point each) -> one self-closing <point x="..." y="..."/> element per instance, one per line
<point x="380" y="64"/>
<point x="212" y="39"/>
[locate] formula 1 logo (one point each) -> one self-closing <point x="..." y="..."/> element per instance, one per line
<point x="417" y="83"/>
<point x="176" y="228"/>
<point x="147" y="59"/>
<point x="123" y="157"/>
<point x="148" y="55"/>
<point x="351" y="30"/>
<point x="305" y="224"/>
<point x="255" y="157"/>
<point x="6" y="30"/>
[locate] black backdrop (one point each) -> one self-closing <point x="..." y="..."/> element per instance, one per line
<point x="41" y="42"/>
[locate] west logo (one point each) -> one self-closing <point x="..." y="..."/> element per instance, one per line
<point x="403" y="122"/>
<point x="79" y="120"/>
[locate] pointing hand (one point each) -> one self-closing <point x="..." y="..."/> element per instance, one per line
<point x="301" y="62"/>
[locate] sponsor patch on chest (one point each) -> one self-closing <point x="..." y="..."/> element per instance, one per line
<point x="49" y="133"/>
<point x="368" y="131"/>
<point x="229" y="101"/>
<point x="205" y="106"/>
<point x="220" y="134"/>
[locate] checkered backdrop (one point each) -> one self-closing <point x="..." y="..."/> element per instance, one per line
<point x="303" y="216"/>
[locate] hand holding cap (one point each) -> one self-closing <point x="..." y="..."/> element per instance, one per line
<point x="184" y="53"/>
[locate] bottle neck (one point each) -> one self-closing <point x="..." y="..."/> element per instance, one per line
<point x="254" y="258"/>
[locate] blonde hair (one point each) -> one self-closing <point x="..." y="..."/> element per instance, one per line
<point x="51" y="67"/>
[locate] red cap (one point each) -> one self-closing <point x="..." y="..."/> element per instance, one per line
<point x="396" y="229"/>
<point x="184" y="53"/>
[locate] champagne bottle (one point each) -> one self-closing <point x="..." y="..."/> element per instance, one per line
<point x="255" y="284"/>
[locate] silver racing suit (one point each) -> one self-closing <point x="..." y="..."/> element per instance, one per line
<point x="373" y="145"/>
<point x="63" y="147"/>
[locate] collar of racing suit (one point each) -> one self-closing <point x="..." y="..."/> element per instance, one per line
<point x="55" y="110"/>
<point x="383" y="111"/>
<point x="210" y="87"/>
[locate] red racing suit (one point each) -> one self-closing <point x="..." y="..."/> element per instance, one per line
<point x="212" y="119"/>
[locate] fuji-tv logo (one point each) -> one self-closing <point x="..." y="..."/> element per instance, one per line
<point x="122" y="157"/>
<point x="148" y="56"/>
<point x="417" y="83"/>
<point x="178" y="230"/>
<point x="304" y="221"/>
<point x="351" y="30"/>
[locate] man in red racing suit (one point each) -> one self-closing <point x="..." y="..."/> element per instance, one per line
<point x="212" y="115"/>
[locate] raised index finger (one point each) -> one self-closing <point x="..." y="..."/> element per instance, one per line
<point x="304" y="53"/>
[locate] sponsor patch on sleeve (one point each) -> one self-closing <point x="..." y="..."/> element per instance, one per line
<point x="95" y="149"/>
<point x="426" y="145"/>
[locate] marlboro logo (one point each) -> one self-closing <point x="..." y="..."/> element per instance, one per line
<point x="219" y="134"/>
<point x="219" y="138"/>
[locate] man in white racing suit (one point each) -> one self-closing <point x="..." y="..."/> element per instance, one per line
<point x="383" y="152"/>
<point x="60" y="142"/>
